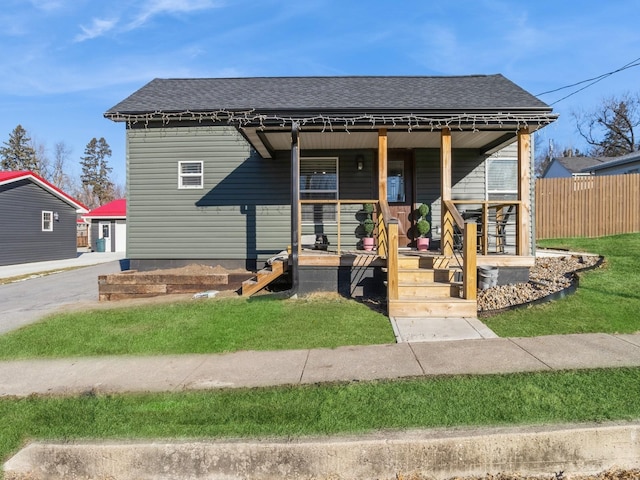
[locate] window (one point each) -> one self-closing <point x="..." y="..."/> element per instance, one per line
<point x="318" y="181"/>
<point x="502" y="177"/>
<point x="47" y="221"/>
<point x="190" y="175"/>
<point x="395" y="181"/>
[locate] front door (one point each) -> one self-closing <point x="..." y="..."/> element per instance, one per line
<point x="104" y="231"/>
<point x="400" y="193"/>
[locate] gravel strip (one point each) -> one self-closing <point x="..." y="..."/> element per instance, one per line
<point x="548" y="276"/>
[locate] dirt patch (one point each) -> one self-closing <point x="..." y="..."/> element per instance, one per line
<point x="193" y="269"/>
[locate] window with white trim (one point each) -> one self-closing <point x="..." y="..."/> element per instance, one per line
<point x="502" y="177"/>
<point x="190" y="175"/>
<point x="47" y="221"/>
<point x="318" y="181"/>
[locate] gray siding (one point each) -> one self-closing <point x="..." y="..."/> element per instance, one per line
<point x="242" y="213"/>
<point x="21" y="237"/>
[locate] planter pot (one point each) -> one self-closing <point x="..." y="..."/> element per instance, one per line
<point x="422" y="243"/>
<point x="367" y="243"/>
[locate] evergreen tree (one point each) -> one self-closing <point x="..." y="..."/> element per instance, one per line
<point x="95" y="172"/>
<point x="18" y="153"/>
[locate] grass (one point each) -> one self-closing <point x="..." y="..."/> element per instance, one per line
<point x="538" y="398"/>
<point x="607" y="300"/>
<point x="207" y="326"/>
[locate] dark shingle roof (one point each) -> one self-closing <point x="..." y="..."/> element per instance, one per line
<point x="608" y="162"/>
<point x="463" y="93"/>
<point x="579" y="164"/>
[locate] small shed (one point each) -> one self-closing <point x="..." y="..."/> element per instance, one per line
<point x="108" y="227"/>
<point x="38" y="219"/>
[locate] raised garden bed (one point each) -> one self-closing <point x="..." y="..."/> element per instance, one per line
<point x="189" y="279"/>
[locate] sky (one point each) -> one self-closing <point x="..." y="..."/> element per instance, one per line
<point x="65" y="62"/>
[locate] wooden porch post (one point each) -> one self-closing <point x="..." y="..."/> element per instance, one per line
<point x="446" y="237"/>
<point x="523" y="232"/>
<point x="382" y="164"/>
<point x="383" y="249"/>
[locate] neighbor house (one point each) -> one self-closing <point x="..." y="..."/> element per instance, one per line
<point x="108" y="226"/>
<point x="38" y="219"/>
<point x="564" y="167"/>
<point x="629" y="163"/>
<point x="234" y="171"/>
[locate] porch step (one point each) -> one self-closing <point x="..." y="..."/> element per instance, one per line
<point x="425" y="275"/>
<point x="264" y="277"/>
<point x="433" y="307"/>
<point x="429" y="287"/>
<point x="413" y="261"/>
<point x="429" y="290"/>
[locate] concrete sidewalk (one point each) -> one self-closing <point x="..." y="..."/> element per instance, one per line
<point x="296" y="367"/>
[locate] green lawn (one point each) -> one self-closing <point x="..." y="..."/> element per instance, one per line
<point x="607" y="300"/>
<point x="538" y="398"/>
<point x="203" y="326"/>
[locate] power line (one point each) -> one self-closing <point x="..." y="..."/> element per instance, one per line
<point x="591" y="81"/>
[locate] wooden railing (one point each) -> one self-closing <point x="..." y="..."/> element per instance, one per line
<point x="338" y="221"/>
<point x="469" y="250"/>
<point x="505" y="212"/>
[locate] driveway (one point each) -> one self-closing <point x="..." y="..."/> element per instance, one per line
<point x="30" y="300"/>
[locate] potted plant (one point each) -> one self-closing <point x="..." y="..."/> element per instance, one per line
<point x="424" y="227"/>
<point x="368" y="225"/>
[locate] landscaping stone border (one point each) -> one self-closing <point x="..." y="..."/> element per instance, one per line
<point x="575" y="282"/>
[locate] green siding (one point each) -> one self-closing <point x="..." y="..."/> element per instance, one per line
<point x="241" y="213"/>
<point x="468" y="179"/>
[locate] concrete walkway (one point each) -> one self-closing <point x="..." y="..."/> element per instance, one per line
<point x="84" y="259"/>
<point x="294" y="367"/>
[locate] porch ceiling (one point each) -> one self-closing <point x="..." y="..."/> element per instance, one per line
<point x="267" y="142"/>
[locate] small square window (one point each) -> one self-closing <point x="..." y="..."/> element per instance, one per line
<point x="190" y="175"/>
<point x="47" y="221"/>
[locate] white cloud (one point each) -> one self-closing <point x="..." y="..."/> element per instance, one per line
<point x="47" y="5"/>
<point x="158" y="7"/>
<point x="98" y="28"/>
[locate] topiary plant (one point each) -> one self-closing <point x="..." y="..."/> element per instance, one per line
<point x="423" y="227"/>
<point x="423" y="210"/>
<point x="368" y="226"/>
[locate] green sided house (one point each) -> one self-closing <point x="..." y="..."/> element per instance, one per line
<point x="234" y="171"/>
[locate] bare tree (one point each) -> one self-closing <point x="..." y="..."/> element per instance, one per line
<point x="41" y="166"/>
<point x="57" y="171"/>
<point x="612" y="128"/>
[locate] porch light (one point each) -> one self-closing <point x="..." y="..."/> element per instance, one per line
<point x="56" y="217"/>
<point x="359" y="162"/>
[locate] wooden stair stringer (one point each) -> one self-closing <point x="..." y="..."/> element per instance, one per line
<point x="264" y="277"/>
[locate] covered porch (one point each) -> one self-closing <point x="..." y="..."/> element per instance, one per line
<point x="467" y="230"/>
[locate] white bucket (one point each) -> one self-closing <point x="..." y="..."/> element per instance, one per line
<point x="487" y="277"/>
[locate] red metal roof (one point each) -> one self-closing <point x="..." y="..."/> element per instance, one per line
<point x="14" y="176"/>
<point x="115" y="209"/>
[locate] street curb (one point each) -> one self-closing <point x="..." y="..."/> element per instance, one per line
<point x="435" y="454"/>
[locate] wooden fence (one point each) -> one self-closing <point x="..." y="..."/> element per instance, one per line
<point x="587" y="206"/>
